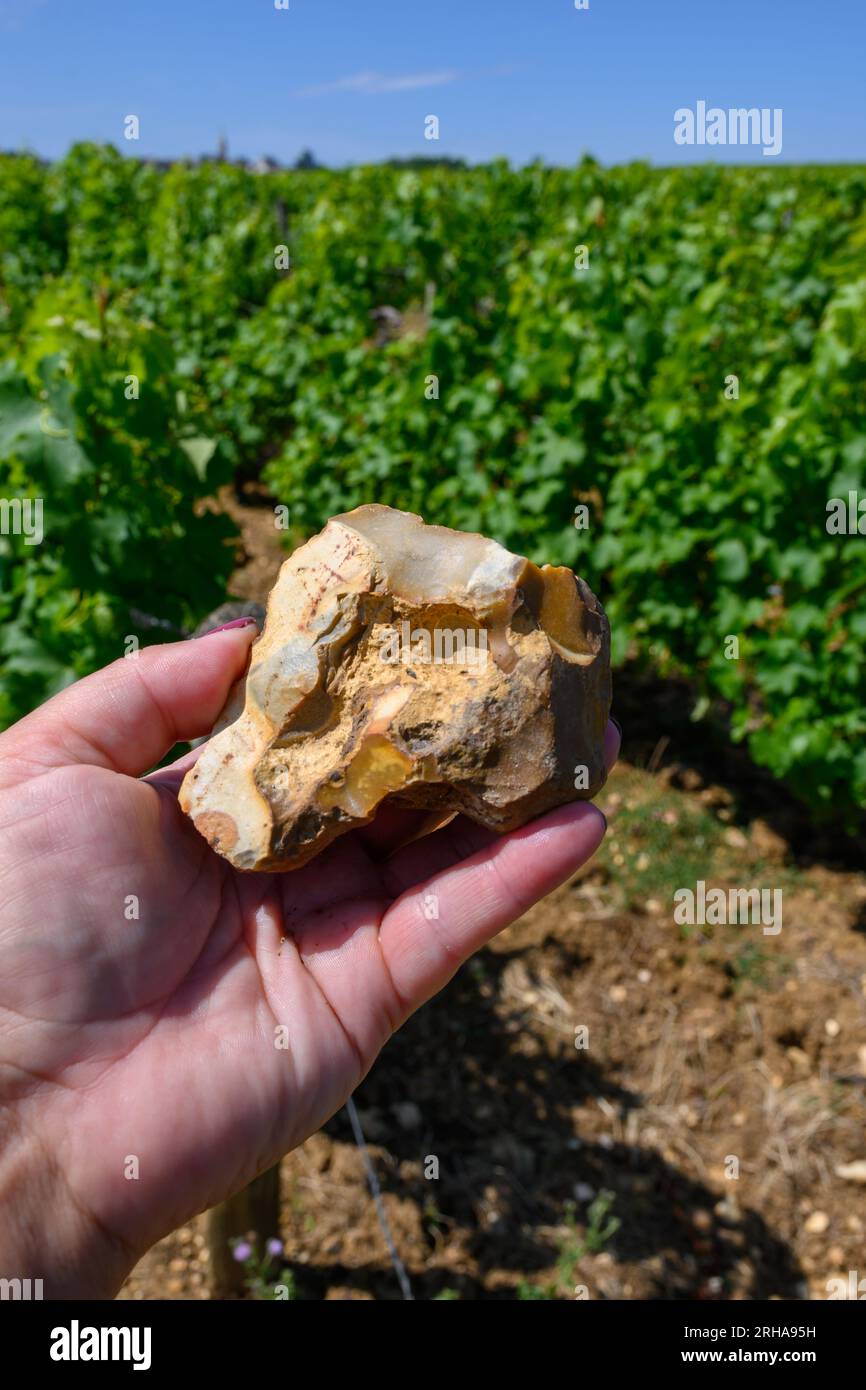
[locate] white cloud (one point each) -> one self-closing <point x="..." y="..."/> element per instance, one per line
<point x="373" y="83"/>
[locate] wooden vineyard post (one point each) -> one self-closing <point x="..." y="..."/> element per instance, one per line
<point x="256" y="1208"/>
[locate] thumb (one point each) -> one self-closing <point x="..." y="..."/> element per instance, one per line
<point x="128" y="715"/>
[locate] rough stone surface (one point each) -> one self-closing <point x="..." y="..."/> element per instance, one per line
<point x="409" y="663"/>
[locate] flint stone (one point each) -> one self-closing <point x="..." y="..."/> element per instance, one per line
<point x="404" y="664"/>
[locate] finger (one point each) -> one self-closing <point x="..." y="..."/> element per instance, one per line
<point x="418" y="861"/>
<point x="127" y="716"/>
<point x="421" y="859"/>
<point x="429" y="932"/>
<point x="173" y="775"/>
<point x="392" y="826"/>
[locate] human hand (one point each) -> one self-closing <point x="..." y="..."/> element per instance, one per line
<point x="159" y="1009"/>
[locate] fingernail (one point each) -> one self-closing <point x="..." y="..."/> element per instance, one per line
<point x="237" y="622"/>
<point x="603" y="816"/>
<point x="615" y="721"/>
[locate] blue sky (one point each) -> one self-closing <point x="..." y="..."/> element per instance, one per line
<point x="355" y="79"/>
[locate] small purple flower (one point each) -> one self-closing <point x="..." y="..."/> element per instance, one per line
<point x="242" y="1251"/>
<point x="275" y="1247"/>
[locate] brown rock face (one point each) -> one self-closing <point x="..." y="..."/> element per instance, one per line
<point x="409" y="663"/>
